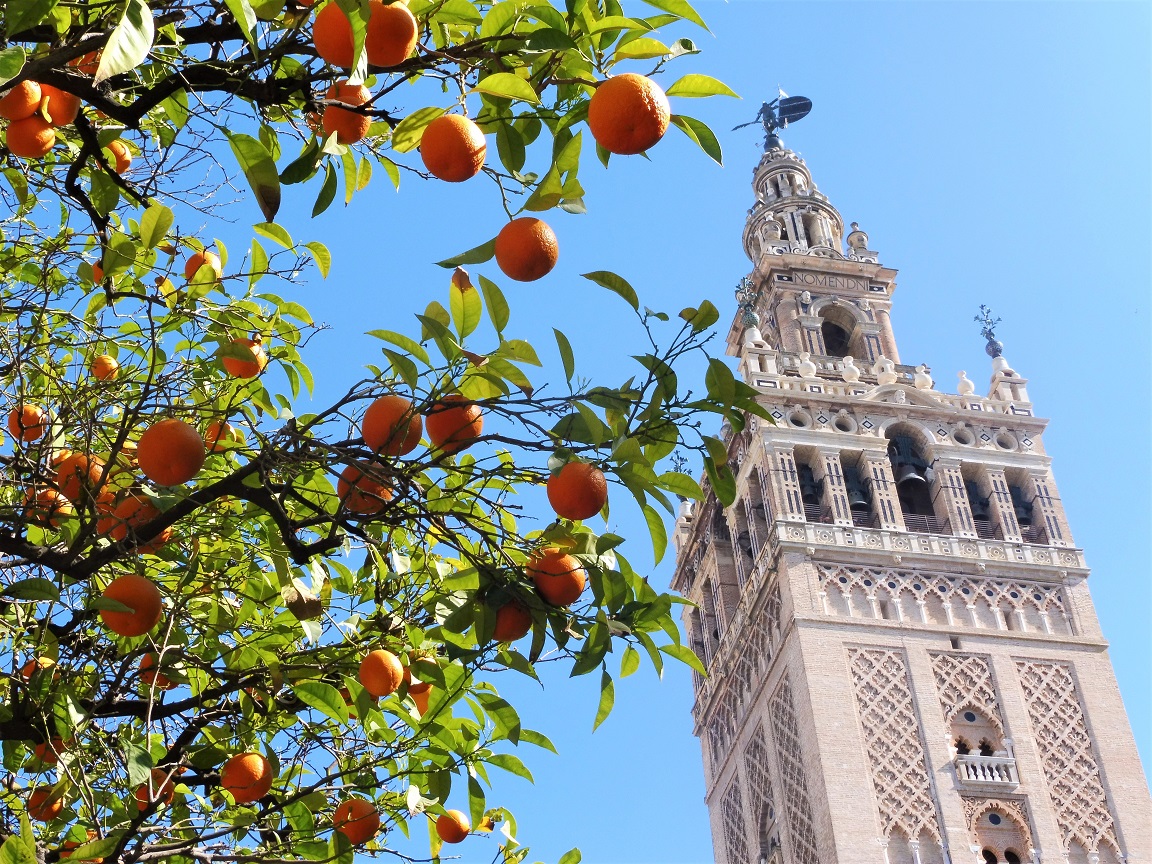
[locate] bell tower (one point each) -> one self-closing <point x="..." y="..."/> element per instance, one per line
<point x="904" y="665"/>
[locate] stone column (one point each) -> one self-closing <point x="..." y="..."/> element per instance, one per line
<point x="995" y="484"/>
<point x="885" y="504"/>
<point x="950" y="499"/>
<point x="830" y="471"/>
<point x="1046" y="506"/>
<point x="785" y="484"/>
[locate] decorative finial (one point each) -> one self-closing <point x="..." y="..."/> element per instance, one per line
<point x="777" y="114"/>
<point x="746" y="296"/>
<point x="988" y="331"/>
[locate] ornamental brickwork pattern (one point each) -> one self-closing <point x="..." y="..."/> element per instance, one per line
<point x="1015" y="808"/>
<point x="1066" y="754"/>
<point x="965" y="681"/>
<point x="892" y="741"/>
<point x="759" y="782"/>
<point x="786" y="733"/>
<point x="735" y="831"/>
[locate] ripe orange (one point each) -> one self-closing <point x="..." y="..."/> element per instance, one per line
<point x="526" y="249"/>
<point x="132" y="513"/>
<point x="248" y="776"/>
<point x="48" y="752"/>
<point x="42" y="807"/>
<point x="390" y="426"/>
<point x="104" y="367"/>
<point x="161" y="790"/>
<point x="578" y="491"/>
<point x="453" y="424"/>
<point x="27" y="422"/>
<point x="332" y="36"/>
<point x="361" y="492"/>
<point x="392" y="32"/>
<point x="170" y="452"/>
<point x="62" y="105"/>
<point x="105" y="507"/>
<point x="21" y="101"/>
<point x="151" y="677"/>
<point x="219" y="433"/>
<point x="121" y="154"/>
<point x="557" y="575"/>
<point x="453" y="148"/>
<point x="421" y="699"/>
<point x="238" y="368"/>
<point x="200" y="259"/>
<point x="357" y="820"/>
<point x="628" y="114"/>
<point x="31" y="138"/>
<point x="349" y="126"/>
<point x="70" y="846"/>
<point x="513" y="622"/>
<point x="35" y="665"/>
<point x="381" y="672"/>
<point x="453" y="826"/>
<point x="88" y="64"/>
<point x="47" y="507"/>
<point x="78" y="476"/>
<point x="417" y="687"/>
<point x="139" y="595"/>
<point x="97" y="273"/>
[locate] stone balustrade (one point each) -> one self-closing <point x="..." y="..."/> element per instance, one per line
<point x="976" y="770"/>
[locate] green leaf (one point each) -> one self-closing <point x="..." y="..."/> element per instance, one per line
<point x="657" y="530"/>
<point x="403" y="366"/>
<point x="258" y="263"/>
<point x="401" y="341"/>
<point x="641" y="49"/>
<point x="572" y="856"/>
<point x="260" y="171"/>
<point x="324" y="698"/>
<point x="11" y="60"/>
<point x="16" y="851"/>
<point x="465" y="305"/>
<point x="154" y="225"/>
<point x="495" y="303"/>
<point x="139" y="763"/>
<point x="680" y="8"/>
<point x="720" y="382"/>
<point x="615" y="284"/>
<point x="565" y="354"/>
<point x="130" y="42"/>
<point x="22" y="16"/>
<point x="35" y="588"/>
<point x="327" y="191"/>
<point x="303" y="166"/>
<point x="695" y="86"/>
<point x="97" y="849"/>
<point x="537" y="739"/>
<point x="274" y="232"/>
<point x="245" y="16"/>
<point x="105" y="193"/>
<point x="702" y="318"/>
<point x="680" y="484"/>
<point x="685" y="655"/>
<point x="511" y="764"/>
<point x="502" y="715"/>
<point x="478" y="255"/>
<point x="630" y="662"/>
<point x="509" y="86"/>
<point x="321" y="256"/>
<point x="407" y="134"/>
<point x="358" y="13"/>
<point x="607" y="699"/>
<point x="701" y="134"/>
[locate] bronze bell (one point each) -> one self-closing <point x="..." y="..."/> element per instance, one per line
<point x="854" y="487"/>
<point x="908" y="473"/>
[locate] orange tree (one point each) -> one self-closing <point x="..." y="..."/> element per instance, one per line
<point x="230" y="631"/>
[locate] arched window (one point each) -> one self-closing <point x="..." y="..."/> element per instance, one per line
<point x="972" y="725"/>
<point x="913" y="478"/>
<point x="989" y="856"/>
<point x="986" y="748"/>
<point x="838" y="331"/>
<point x="962" y="748"/>
<point x="811" y="491"/>
<point x="1011" y="857"/>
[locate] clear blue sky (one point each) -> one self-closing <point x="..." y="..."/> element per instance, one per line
<point x="995" y="153"/>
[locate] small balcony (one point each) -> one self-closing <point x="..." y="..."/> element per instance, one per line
<point x="926" y="524"/>
<point x="973" y="769"/>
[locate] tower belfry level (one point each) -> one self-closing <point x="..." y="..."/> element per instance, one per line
<point x="904" y="662"/>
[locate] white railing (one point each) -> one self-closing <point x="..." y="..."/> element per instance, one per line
<point x="987" y="770"/>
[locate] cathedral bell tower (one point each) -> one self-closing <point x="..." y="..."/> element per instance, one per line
<point x="904" y="665"/>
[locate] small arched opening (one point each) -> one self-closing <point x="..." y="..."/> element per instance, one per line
<point x="838" y="331"/>
<point x="1001" y="837"/>
<point x="913" y="477"/>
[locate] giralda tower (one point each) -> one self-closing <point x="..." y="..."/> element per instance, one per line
<point x="904" y="664"/>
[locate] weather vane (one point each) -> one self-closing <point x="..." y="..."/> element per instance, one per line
<point x="777" y="114"/>
<point x="994" y="347"/>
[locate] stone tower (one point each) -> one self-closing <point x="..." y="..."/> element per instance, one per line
<point x="904" y="662"/>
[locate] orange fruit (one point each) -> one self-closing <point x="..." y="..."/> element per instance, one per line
<point x="36" y="665"/>
<point x="526" y="249"/>
<point x="151" y="677"/>
<point x="628" y="114"/>
<point x="349" y="126"/>
<point x="62" y="105"/>
<point x="453" y="424"/>
<point x="121" y="154"/>
<point x="248" y="776"/>
<point x="453" y="826"/>
<point x="162" y="790"/>
<point x="48" y="752"/>
<point x="105" y="507"/>
<point x="27" y="422"/>
<point x="104" y="367"/>
<point x="132" y="513"/>
<point x="390" y="426"/>
<point x="238" y="368"/>
<point x="421" y="698"/>
<point x="557" y="575"/>
<point x="97" y="273"/>
<point x="21" y="101"/>
<point x="31" y="138"/>
<point x="453" y="148"/>
<point x="415" y="687"/>
<point x="578" y="491"/>
<point x="391" y="36"/>
<point x="381" y="672"/>
<point x="170" y="452"/>
<point x="513" y="621"/>
<point x="361" y="492"/>
<point x="41" y="806"/>
<point x="78" y="476"/>
<point x="219" y="433"/>
<point x="139" y="595"/>
<point x="47" y="507"/>
<point x="200" y="259"/>
<point x="88" y="64"/>
<point x="357" y="820"/>
<point x="70" y="846"/>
